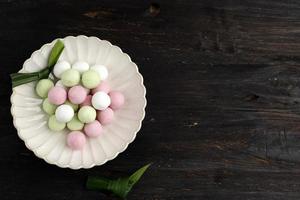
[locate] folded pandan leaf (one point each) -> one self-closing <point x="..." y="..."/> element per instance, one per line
<point x="119" y="187"/>
<point x="22" y="78"/>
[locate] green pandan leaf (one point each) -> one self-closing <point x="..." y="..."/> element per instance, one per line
<point x="135" y="177"/>
<point x="55" y="53"/>
<point x="22" y="78"/>
<point x="19" y="79"/>
<point x="119" y="187"/>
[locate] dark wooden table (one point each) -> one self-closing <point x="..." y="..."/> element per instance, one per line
<point x="223" y="90"/>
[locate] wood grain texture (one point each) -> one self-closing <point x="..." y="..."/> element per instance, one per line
<point x="223" y="90"/>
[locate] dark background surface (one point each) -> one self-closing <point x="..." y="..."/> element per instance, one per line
<point x="223" y="90"/>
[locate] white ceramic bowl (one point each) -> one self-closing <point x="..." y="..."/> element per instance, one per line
<point x="31" y="121"/>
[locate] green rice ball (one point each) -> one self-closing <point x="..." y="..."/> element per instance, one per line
<point x="70" y="77"/>
<point x="75" y="124"/>
<point x="90" y="79"/>
<point x="86" y="114"/>
<point x="55" y="125"/>
<point x="48" y="107"/>
<point x="43" y="86"/>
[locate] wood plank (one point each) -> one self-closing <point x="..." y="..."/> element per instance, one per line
<point x="222" y="88"/>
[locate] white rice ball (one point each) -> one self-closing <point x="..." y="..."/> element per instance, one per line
<point x="101" y="70"/>
<point x="100" y="100"/>
<point x="64" y="113"/>
<point x="80" y="66"/>
<point x="60" y="67"/>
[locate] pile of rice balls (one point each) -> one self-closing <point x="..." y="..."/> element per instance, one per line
<point x="79" y="99"/>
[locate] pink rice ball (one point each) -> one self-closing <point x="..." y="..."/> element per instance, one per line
<point x="103" y="86"/>
<point x="93" y="129"/>
<point x="77" y="94"/>
<point x="57" y="95"/>
<point x="87" y="101"/>
<point x="117" y="100"/>
<point x="105" y="116"/>
<point x="76" y="140"/>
